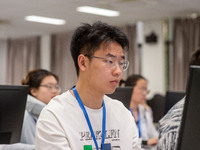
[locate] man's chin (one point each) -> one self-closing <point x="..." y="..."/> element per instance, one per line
<point x="111" y="91"/>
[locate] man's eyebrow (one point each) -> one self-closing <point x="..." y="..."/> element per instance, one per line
<point x="111" y="55"/>
<point x="123" y="57"/>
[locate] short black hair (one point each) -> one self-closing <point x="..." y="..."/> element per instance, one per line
<point x="88" y="38"/>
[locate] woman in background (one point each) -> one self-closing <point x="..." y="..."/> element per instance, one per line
<point x="141" y="111"/>
<point x="43" y="86"/>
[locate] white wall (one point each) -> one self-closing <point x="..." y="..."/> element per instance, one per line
<point x="153" y="59"/>
<point x="3" y="59"/>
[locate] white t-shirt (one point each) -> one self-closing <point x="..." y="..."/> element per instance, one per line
<point x="62" y="126"/>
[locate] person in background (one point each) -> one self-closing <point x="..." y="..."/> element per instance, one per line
<point x="43" y="86"/>
<point x="169" y="125"/>
<point x="141" y="111"/>
<point x="84" y="118"/>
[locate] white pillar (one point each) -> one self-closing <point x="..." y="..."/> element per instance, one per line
<point x="3" y="61"/>
<point x="45" y="52"/>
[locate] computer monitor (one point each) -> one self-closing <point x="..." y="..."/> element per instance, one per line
<point x="171" y="98"/>
<point x="123" y="94"/>
<point x="12" y="107"/>
<point x="189" y="134"/>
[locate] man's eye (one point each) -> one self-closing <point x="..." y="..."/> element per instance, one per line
<point x="121" y="63"/>
<point x="110" y="61"/>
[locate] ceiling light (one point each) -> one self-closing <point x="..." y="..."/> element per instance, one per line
<point x="45" y="20"/>
<point x="98" y="11"/>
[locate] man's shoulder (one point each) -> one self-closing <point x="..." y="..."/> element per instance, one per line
<point x="116" y="107"/>
<point x="113" y="103"/>
<point x="64" y="100"/>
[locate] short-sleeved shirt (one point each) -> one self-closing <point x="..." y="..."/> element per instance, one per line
<point x="62" y="126"/>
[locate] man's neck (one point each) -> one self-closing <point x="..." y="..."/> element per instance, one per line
<point x="89" y="97"/>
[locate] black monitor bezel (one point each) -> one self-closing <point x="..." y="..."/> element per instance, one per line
<point x="13" y="102"/>
<point x="186" y="142"/>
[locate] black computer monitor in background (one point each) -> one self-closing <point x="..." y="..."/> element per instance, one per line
<point x="123" y="94"/>
<point x="189" y="134"/>
<point x="12" y="107"/>
<point x="171" y="98"/>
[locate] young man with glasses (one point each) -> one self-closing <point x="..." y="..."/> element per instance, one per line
<point x="84" y="118"/>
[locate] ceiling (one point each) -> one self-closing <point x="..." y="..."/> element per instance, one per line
<point x="13" y="25"/>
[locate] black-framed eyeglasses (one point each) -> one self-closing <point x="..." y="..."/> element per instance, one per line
<point x="111" y="62"/>
<point x="144" y="90"/>
<point x="52" y="88"/>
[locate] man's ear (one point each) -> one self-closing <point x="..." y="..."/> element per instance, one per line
<point x="82" y="62"/>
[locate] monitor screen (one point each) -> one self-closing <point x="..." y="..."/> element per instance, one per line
<point x="123" y="94"/>
<point x="189" y="134"/>
<point x="12" y="107"/>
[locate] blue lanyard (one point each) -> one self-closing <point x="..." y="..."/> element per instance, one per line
<point x="88" y="120"/>
<point x="139" y="122"/>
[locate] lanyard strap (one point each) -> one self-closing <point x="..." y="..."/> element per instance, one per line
<point x="88" y="120"/>
<point x="138" y="123"/>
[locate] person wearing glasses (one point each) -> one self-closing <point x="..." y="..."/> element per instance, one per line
<point x="141" y="111"/>
<point x="43" y="86"/>
<point x="84" y="118"/>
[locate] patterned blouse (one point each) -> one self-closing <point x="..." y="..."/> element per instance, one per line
<point x="168" y="127"/>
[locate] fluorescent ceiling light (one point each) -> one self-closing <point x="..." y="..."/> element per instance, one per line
<point x="98" y="11"/>
<point x="45" y="20"/>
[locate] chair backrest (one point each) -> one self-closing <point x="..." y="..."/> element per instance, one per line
<point x="171" y="98"/>
<point x="123" y="94"/>
<point x="157" y="104"/>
